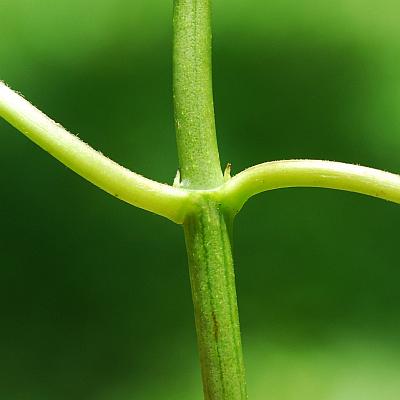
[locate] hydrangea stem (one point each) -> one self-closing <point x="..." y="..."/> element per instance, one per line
<point x="207" y="228"/>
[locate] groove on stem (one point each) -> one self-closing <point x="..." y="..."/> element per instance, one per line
<point x="214" y="298"/>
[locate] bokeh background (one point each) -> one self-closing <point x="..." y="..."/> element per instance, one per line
<point x="94" y="294"/>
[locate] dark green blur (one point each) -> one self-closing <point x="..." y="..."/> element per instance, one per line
<point x="94" y="294"/>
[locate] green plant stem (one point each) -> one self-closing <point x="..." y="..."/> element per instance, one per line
<point x="214" y="298"/>
<point x="309" y="173"/>
<point x="204" y="203"/>
<point x="193" y="99"/>
<point x="206" y="229"/>
<point x="135" y="189"/>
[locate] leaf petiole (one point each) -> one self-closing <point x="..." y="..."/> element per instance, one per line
<point x="165" y="200"/>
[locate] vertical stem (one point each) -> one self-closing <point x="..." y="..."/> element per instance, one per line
<point x="207" y="228"/>
<point x="215" y="306"/>
<point x="193" y="98"/>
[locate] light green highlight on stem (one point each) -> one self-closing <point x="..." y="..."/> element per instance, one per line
<point x="309" y="173"/>
<point x="193" y="97"/>
<point x="128" y="186"/>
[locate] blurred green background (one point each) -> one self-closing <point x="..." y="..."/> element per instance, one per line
<point x="94" y="294"/>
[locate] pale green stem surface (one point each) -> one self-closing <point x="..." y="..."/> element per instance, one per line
<point x="193" y="99"/>
<point x="309" y="173"/>
<point x="206" y="229"/>
<point x="70" y="150"/>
